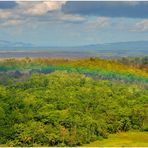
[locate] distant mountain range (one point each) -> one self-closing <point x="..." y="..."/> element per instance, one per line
<point x="8" y="44"/>
<point x="121" y="45"/>
<point x="131" y="48"/>
<point x="106" y="46"/>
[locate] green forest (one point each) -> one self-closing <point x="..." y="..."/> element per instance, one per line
<point x="60" y="102"/>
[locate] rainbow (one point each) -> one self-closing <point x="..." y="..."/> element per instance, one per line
<point x="99" y="69"/>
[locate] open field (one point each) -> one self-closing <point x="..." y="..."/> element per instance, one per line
<point x="129" y="139"/>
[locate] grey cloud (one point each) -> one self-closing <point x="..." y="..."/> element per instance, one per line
<point x="132" y="9"/>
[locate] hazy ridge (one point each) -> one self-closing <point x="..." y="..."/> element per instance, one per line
<point x="20" y="49"/>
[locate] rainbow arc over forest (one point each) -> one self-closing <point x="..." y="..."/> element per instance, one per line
<point x="97" y="68"/>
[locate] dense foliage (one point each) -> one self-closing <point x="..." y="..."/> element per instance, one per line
<point x="58" y="106"/>
<point x="139" y="62"/>
<point x="67" y="109"/>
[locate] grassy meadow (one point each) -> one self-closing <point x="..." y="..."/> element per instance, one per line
<point x="125" y="139"/>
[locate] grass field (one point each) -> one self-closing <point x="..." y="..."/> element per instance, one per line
<point x="138" y="139"/>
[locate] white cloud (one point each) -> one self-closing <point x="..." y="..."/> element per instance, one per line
<point x="4" y="14"/>
<point x="99" y="22"/>
<point x="11" y="22"/>
<point x="140" y="26"/>
<point x="31" y="11"/>
<point x="41" y="8"/>
<point x="72" y="18"/>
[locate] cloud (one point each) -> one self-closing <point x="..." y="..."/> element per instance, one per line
<point x="36" y="12"/>
<point x="94" y="14"/>
<point x="72" y="18"/>
<point x="4" y="14"/>
<point x="7" y="4"/>
<point x="11" y="23"/>
<point x="131" y="9"/>
<point x="99" y="22"/>
<point x="140" y="26"/>
<point x="26" y="12"/>
<point x="40" y="8"/>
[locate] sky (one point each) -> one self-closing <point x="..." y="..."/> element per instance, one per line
<point x="73" y="23"/>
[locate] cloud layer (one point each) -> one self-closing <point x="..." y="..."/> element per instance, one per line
<point x="70" y="22"/>
<point x="7" y="4"/>
<point x="132" y="9"/>
<point x="20" y="12"/>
